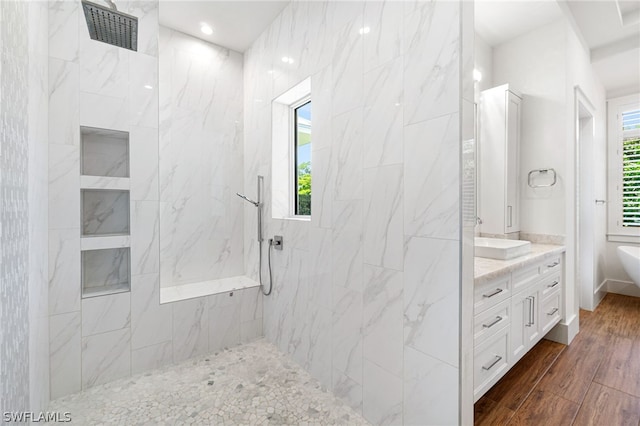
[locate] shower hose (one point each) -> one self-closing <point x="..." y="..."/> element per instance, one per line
<point x="266" y="293"/>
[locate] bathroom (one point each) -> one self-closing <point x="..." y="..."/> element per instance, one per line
<point x="133" y="274"/>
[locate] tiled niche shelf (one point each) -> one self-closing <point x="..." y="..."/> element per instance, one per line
<point x="106" y="271"/>
<point x="104" y="152"/>
<point x="105" y="212"/>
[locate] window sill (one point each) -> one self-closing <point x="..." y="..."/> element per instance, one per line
<point x="620" y="238"/>
<point x="295" y="218"/>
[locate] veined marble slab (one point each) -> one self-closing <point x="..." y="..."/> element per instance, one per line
<point x="488" y="269"/>
<point x="205" y="288"/>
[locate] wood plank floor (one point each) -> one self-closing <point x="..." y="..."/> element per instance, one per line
<point x="593" y="381"/>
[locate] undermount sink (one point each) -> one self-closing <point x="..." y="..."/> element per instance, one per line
<point x="501" y="249"/>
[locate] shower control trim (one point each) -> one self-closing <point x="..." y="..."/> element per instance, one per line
<point x="277" y="242"/>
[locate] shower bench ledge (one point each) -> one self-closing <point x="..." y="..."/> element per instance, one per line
<point x="205" y="288"/>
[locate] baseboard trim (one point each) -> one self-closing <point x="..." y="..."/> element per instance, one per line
<point x="600" y="293"/>
<point x="626" y="288"/>
<point x="565" y="331"/>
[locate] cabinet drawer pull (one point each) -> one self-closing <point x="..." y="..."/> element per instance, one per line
<point x="553" y="265"/>
<point x="553" y="311"/>
<point x="494" y="322"/>
<point x="492" y="363"/>
<point x="553" y="284"/>
<point x="493" y="293"/>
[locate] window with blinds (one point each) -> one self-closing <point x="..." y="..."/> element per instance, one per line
<point x="631" y="168"/>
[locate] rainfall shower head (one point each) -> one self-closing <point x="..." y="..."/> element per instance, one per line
<point x="108" y="25"/>
<point x="244" y="197"/>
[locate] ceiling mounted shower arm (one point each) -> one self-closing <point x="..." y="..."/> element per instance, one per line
<point x="111" y="4"/>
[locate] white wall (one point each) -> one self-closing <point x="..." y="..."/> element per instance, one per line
<point x="483" y="57"/>
<point x="366" y="294"/>
<point x="201" y="226"/>
<point x="535" y="65"/>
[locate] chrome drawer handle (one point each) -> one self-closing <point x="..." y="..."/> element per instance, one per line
<point x="494" y="322"/>
<point x="553" y="265"/>
<point x="553" y="311"/>
<point x="553" y="284"/>
<point x="493" y="293"/>
<point x="494" y="362"/>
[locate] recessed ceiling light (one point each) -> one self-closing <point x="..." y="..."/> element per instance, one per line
<point x="365" y="30"/>
<point x="287" y="60"/>
<point x="148" y="86"/>
<point x="206" y="29"/>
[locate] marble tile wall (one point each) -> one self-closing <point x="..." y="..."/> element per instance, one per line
<point x="24" y="350"/>
<point x="367" y="293"/>
<point x="201" y="153"/>
<point x="100" y="339"/>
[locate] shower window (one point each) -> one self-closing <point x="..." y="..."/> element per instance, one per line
<point x="302" y="158"/>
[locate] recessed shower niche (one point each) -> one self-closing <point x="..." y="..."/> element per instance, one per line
<point x="105" y="212"/>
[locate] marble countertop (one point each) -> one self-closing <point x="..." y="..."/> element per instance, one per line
<point x="488" y="269"/>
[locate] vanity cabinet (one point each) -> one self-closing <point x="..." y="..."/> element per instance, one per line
<point x="512" y="313"/>
<point x="499" y="160"/>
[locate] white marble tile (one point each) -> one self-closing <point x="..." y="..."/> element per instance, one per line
<point x="151" y="322"/>
<point x="431" y="175"/>
<point x="64" y="18"/>
<point x="63" y="102"/>
<point x="224" y="313"/>
<point x="383" y="41"/>
<point x="144" y="237"/>
<point x="143" y="90"/>
<point x="431" y="65"/>
<point x="105" y="212"/>
<point x="106" y="313"/>
<point x="190" y="329"/>
<point x="320" y="43"/>
<point x="321" y="97"/>
<point x="106" y="357"/>
<point x="348" y="147"/>
<point x="320" y="244"/>
<point x="319" y="346"/>
<point x="343" y="13"/>
<point x="323" y="188"/>
<point x="143" y="151"/>
<point x="151" y="357"/>
<point x="383" y="125"/>
<point x="431" y="297"/>
<point x="104" y="68"/>
<point x="383" y="224"/>
<point x="147" y="13"/>
<point x="383" y="318"/>
<point x="64" y="351"/>
<point x="251" y="330"/>
<point x="347" y="245"/>
<point x="104" y="112"/>
<point x="430" y="390"/>
<point x="64" y="271"/>
<point x="382" y="396"/>
<point x="250" y="304"/>
<point x="64" y="181"/>
<point x="348" y="67"/>
<point x="347" y="333"/>
<point x="348" y="390"/>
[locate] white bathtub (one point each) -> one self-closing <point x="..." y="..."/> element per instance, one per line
<point x="630" y="258"/>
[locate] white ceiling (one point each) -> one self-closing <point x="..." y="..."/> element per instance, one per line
<point x="236" y="24"/>
<point x="609" y="28"/>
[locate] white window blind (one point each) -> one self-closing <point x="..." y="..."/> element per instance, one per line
<point x="631" y="168"/>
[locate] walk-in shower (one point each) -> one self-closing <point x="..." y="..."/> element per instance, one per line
<point x="258" y="205"/>
<point x="108" y="25"/>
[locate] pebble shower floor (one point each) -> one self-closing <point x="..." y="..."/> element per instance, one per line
<point x="252" y="384"/>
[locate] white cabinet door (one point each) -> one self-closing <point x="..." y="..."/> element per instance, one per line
<point x="512" y="205"/>
<point x="520" y="316"/>
<point x="532" y="327"/>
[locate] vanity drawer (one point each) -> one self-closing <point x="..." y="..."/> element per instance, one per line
<point x="525" y="276"/>
<point x="491" y="321"/>
<point x="551" y="284"/>
<point x="552" y="264"/>
<point x="491" y="293"/>
<point x="490" y="362"/>
<point x="550" y="311"/>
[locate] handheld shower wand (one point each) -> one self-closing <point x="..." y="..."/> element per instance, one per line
<point x="258" y="205"/>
